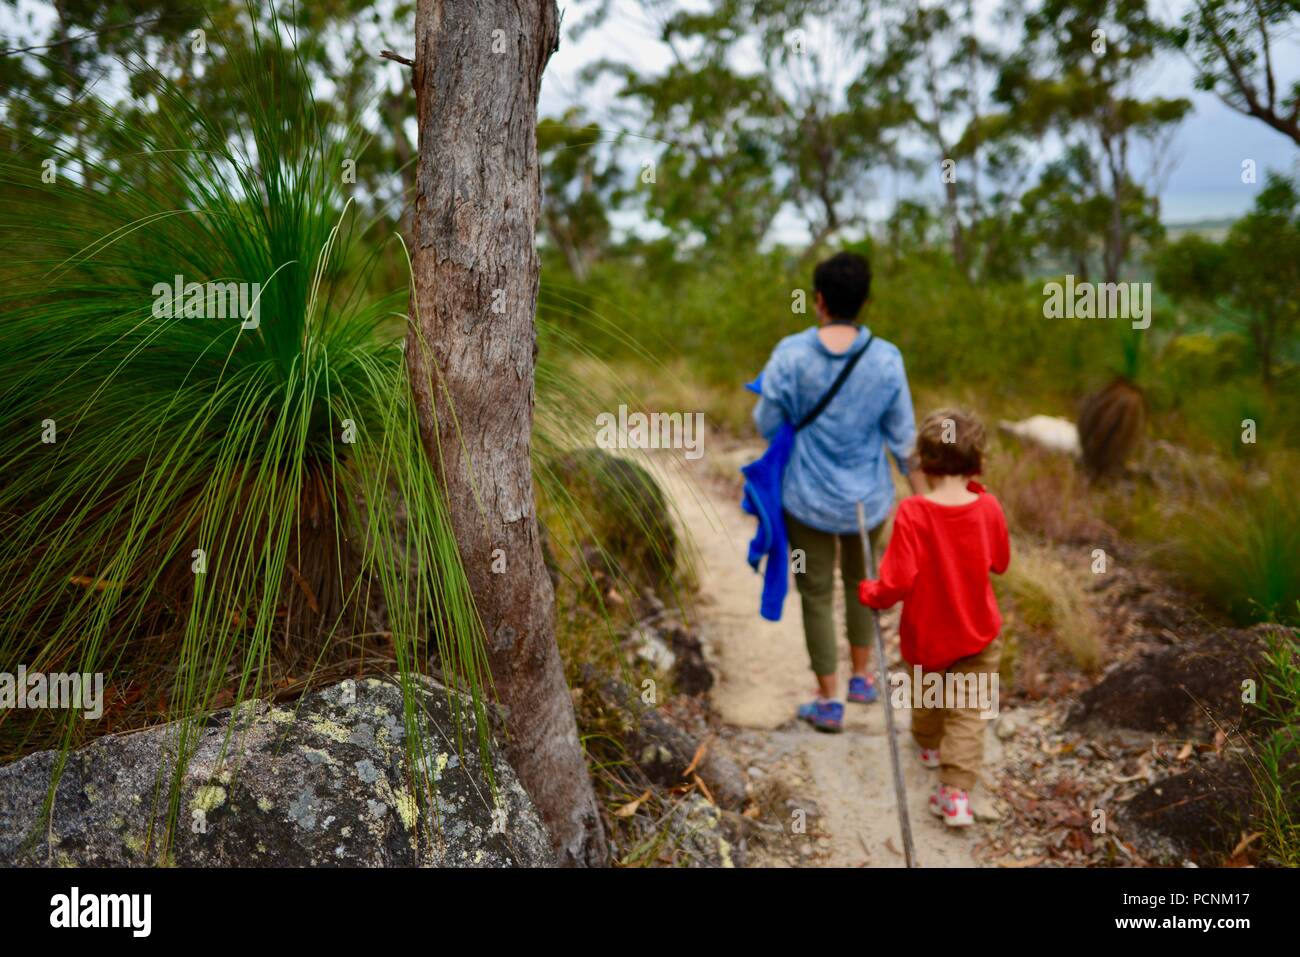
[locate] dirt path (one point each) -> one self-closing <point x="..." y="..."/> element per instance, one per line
<point x="763" y="675"/>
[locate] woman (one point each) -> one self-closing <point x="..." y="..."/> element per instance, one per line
<point x="837" y="460"/>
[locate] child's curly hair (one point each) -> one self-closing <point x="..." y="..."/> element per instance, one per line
<point x="950" y="442"/>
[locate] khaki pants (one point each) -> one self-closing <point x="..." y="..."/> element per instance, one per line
<point x="958" y="732"/>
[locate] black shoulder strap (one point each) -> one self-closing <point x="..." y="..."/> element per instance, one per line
<point x="835" y="386"/>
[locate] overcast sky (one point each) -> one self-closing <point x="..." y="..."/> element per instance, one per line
<point x="1209" y="148"/>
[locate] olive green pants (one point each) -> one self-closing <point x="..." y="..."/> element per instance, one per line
<point x="812" y="559"/>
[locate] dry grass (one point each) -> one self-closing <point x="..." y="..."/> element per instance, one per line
<point x="1046" y="495"/>
<point x="1048" y="597"/>
<point x="668" y="386"/>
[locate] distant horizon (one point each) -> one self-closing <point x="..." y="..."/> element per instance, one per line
<point x="1192" y="207"/>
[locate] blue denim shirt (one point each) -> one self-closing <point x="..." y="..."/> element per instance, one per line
<point x="838" y="460"/>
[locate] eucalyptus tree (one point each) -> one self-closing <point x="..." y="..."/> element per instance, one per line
<point x="933" y="69"/>
<point x="1079" y="75"/>
<point x="1062" y="216"/>
<point x="756" y="113"/>
<point x="1263" y="274"/>
<point x="580" y="184"/>
<point x="1237" y="47"/>
<point x="698" y="136"/>
<point x="80" y="71"/>
<point x="56" y="83"/>
<point x="833" y="138"/>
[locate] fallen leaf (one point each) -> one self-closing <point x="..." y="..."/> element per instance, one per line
<point x="1245" y="842"/>
<point x="1185" y="753"/>
<point x="699" y="753"/>
<point x="704" y="790"/>
<point x="630" y="808"/>
<point x="223" y="699"/>
<point x="98" y="584"/>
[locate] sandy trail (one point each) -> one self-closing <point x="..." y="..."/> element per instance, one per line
<point x="763" y="676"/>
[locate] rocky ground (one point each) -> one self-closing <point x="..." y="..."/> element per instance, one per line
<point x="1143" y="764"/>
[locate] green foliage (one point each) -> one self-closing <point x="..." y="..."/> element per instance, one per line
<point x="722" y="319"/>
<point x="1192" y="267"/>
<point x="1263" y="249"/>
<point x="1075" y="74"/>
<point x="223" y="511"/>
<point x="1232" y="45"/>
<point x="1242" y="552"/>
<point x="578" y="187"/>
<point x="1251" y="278"/>
<point x="703" y="167"/>
<point x="1276" y="765"/>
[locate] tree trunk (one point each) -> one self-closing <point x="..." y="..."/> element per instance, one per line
<point x="478" y="67"/>
<point x="1115" y="245"/>
<point x="954" y="227"/>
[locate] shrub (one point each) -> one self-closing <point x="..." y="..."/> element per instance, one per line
<point x="1048" y="598"/>
<point x="1242" y="551"/>
<point x="204" y="511"/>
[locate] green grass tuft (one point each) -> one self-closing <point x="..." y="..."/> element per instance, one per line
<point x="202" y="512"/>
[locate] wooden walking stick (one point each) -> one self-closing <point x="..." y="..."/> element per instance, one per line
<point x="882" y="667"/>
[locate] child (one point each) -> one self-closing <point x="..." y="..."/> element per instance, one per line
<point x="943" y="546"/>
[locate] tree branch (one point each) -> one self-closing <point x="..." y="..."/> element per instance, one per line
<point x="143" y="21"/>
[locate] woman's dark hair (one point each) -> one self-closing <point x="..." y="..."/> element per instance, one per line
<point x="844" y="281"/>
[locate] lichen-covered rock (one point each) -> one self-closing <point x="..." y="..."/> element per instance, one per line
<point x="700" y="830"/>
<point x="325" y="783"/>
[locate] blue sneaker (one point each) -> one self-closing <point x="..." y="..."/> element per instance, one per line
<point x="823" y="715"/>
<point x="863" y="690"/>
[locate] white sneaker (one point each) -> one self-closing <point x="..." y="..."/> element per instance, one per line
<point x="953" y="805"/>
<point x="930" y="757"/>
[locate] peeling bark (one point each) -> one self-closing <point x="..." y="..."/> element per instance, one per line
<point x="472" y="346"/>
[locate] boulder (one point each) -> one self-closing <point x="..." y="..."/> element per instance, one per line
<point x="1184" y="688"/>
<point x="629" y="532"/>
<point x="1204" y="811"/>
<point x="324" y="783"/>
<point x="702" y="833"/>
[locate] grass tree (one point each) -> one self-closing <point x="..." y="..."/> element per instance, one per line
<point x="227" y="496"/>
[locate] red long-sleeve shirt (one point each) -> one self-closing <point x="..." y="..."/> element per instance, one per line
<point x="938" y="563"/>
